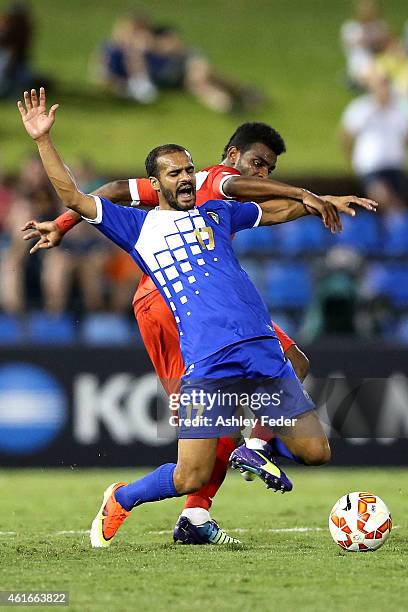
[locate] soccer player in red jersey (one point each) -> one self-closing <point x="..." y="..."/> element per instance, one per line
<point x="249" y="157"/>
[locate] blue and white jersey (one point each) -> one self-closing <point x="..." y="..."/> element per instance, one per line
<point x="189" y="256"/>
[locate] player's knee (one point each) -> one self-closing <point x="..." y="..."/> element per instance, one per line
<point x="318" y="452"/>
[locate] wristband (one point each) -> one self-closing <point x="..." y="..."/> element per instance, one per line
<point x="65" y="222"/>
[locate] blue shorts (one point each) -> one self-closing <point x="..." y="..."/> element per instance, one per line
<point x="216" y="392"/>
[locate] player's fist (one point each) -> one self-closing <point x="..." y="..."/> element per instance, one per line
<point x="34" y="114"/>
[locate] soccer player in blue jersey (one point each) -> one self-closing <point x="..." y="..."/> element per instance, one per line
<point x="227" y="341"/>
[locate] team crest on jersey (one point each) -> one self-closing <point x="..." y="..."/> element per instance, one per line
<point x="214" y="216"/>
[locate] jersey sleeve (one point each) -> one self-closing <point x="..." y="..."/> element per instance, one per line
<point x="244" y="215"/>
<point x="120" y="224"/>
<point x="285" y="340"/>
<point x="218" y="178"/>
<point x="142" y="192"/>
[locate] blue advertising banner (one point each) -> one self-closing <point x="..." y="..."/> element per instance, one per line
<point x="105" y="407"/>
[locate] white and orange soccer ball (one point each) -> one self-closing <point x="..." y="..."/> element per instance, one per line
<point x="360" y="522"/>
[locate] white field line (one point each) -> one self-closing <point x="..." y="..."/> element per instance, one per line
<point x="283" y="530"/>
<point x="243" y="530"/>
<point x="80" y="532"/>
<point x="83" y="532"/>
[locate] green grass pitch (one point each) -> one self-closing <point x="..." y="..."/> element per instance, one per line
<point x="289" y="49"/>
<point x="276" y="568"/>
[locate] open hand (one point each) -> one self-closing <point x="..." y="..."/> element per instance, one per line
<point x="34" y="114"/>
<point x="342" y="203"/>
<point x="48" y="233"/>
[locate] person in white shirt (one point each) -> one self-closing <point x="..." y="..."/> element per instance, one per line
<point x="362" y="37"/>
<point x="374" y="132"/>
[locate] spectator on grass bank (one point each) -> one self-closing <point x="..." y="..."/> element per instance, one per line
<point x="363" y="36"/>
<point x="174" y="65"/>
<point x="120" y="63"/>
<point x="16" y="38"/>
<point x="393" y="62"/>
<point x="140" y="60"/>
<point x="374" y="132"/>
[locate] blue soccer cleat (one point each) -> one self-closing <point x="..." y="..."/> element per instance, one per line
<point x="261" y="463"/>
<point x="208" y="533"/>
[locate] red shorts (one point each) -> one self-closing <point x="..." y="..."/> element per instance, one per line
<point x="160" y="335"/>
<point x="159" y="331"/>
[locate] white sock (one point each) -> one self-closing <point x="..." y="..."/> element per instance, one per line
<point x="255" y="443"/>
<point x="197" y="516"/>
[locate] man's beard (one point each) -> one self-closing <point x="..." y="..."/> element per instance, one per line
<point x="172" y="200"/>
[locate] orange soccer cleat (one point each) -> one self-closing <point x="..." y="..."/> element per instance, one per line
<point x="109" y="518"/>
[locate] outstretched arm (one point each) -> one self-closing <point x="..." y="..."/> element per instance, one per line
<point x="281" y="211"/>
<point x="252" y="188"/>
<point x="38" y="124"/>
<point x="115" y="191"/>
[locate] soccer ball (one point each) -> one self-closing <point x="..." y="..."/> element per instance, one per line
<point x="360" y="522"/>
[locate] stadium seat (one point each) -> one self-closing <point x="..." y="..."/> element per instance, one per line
<point x="44" y="328"/>
<point x="361" y="232"/>
<point x="242" y="242"/>
<point x="288" y="285"/>
<point x="255" y="271"/>
<point x="304" y="236"/>
<point x="390" y="279"/>
<point x="265" y="239"/>
<point x="11" y="329"/>
<point x="396" y="234"/>
<point x="101" y="329"/>
<point x="258" y="240"/>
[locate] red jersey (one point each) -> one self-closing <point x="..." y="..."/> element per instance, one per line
<point x="209" y="184"/>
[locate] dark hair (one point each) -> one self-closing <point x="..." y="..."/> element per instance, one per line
<point x="249" y="133"/>
<point x="151" y="160"/>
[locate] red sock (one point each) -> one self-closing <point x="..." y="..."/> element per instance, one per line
<point x="262" y="432"/>
<point x="203" y="498"/>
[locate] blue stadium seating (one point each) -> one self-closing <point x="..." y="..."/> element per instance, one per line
<point x="11" y="329"/>
<point x="44" y="328"/>
<point x="105" y="328"/>
<point x="257" y="240"/>
<point x="265" y="239"/>
<point x="288" y="285"/>
<point x="390" y="279"/>
<point x="307" y="235"/>
<point x="242" y="242"/>
<point x="362" y="232"/>
<point x="255" y="271"/>
<point x="396" y="234"/>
